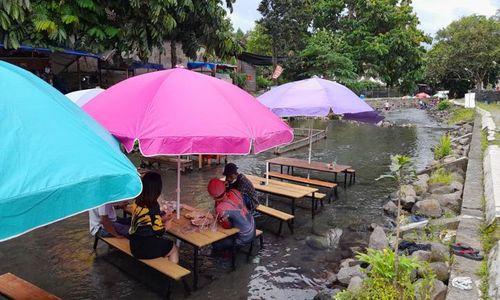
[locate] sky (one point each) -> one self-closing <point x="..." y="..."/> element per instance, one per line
<point x="433" y="14"/>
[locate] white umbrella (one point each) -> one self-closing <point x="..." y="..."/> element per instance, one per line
<point x="81" y="97"/>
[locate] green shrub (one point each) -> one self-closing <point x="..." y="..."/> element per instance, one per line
<point x="444" y="105"/>
<point x="440" y="176"/>
<point x="262" y="82"/>
<point x="384" y="282"/>
<point x="461" y="115"/>
<point x="239" y="79"/>
<point x="443" y="148"/>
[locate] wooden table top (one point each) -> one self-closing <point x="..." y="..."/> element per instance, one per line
<point x="277" y="187"/>
<point x="183" y="229"/>
<point x="304" y="164"/>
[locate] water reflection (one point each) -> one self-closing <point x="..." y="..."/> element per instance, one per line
<point x="59" y="257"/>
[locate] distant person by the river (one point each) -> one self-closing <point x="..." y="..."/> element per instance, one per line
<point x="104" y="222"/>
<point x="387" y="106"/>
<point x="237" y="181"/>
<point x="231" y="212"/>
<point x="148" y="227"/>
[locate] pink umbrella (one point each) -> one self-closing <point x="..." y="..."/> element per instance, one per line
<point x="422" y="95"/>
<point x="181" y="112"/>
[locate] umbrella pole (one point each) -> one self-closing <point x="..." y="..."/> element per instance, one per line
<point x="310" y="146"/>
<point x="178" y="187"/>
<point x="267" y="182"/>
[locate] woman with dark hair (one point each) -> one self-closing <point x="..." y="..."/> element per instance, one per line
<point x="147" y="229"/>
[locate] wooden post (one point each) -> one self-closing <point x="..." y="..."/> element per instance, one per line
<point x="78" y="73"/>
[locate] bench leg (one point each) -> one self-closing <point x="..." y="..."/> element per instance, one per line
<point x="233" y="257"/>
<point x="187" y="289"/>
<point x="96" y="240"/>
<point x="279" y="228"/>
<point x="169" y="289"/>
<point x="250" y="251"/>
<point x="290" y="226"/>
<point x="195" y="269"/>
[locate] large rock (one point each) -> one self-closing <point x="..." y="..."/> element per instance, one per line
<point x="317" y="242"/>
<point x="422" y="255"/>
<point x="451" y="201"/>
<point x="457" y="186"/>
<point x="449" y="159"/>
<point x="440" y="189"/>
<point x="439" y="252"/>
<point x="329" y="240"/>
<point x="437" y="292"/>
<point x="378" y="239"/>
<point x="355" y="284"/>
<point x="391" y="209"/>
<point x="407" y="190"/>
<point x="428" y="208"/>
<point x="345" y="274"/>
<point x="441" y="270"/>
<point x="407" y="202"/>
<point x="421" y="184"/>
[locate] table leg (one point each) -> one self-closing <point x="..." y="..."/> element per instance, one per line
<point x="281" y="168"/>
<point x="335" y="180"/>
<point x="313" y="206"/>
<point x="293" y="207"/>
<point x="345" y="179"/>
<point x="292" y="171"/>
<point x="233" y="256"/>
<point x="195" y="269"/>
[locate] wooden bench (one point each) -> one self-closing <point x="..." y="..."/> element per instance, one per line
<point x="258" y="234"/>
<point x="277" y="214"/>
<point x="17" y="288"/>
<point x="352" y="173"/>
<point x="161" y="264"/>
<point x="186" y="164"/>
<point x="315" y="182"/>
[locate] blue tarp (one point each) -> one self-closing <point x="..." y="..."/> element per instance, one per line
<point x="141" y="65"/>
<point x="60" y="50"/>
<point x="209" y="66"/>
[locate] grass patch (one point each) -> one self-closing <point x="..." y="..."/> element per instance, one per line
<point x="443" y="148"/>
<point x="440" y="176"/>
<point x="484" y="140"/>
<point x="461" y="115"/>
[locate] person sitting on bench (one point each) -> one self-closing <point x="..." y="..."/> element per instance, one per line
<point x="147" y="229"/>
<point x="242" y="184"/>
<point x="231" y="212"/>
<point x="104" y="222"/>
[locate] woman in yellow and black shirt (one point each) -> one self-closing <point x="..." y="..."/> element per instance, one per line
<point x="147" y="228"/>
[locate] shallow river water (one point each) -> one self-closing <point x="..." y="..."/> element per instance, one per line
<point x="59" y="257"/>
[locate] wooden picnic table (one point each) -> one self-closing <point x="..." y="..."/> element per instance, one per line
<point x="183" y="230"/>
<point x="284" y="189"/>
<point x="292" y="163"/>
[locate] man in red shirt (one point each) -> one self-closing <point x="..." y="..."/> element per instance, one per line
<point x="231" y="212"/>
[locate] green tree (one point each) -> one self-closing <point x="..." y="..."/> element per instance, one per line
<point x="82" y="24"/>
<point x="258" y="42"/>
<point x="466" y="50"/>
<point x="287" y="23"/>
<point x="12" y="16"/>
<point x="383" y="35"/>
<point x="325" y="54"/>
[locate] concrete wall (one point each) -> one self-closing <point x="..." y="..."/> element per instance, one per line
<point x="491" y="165"/>
<point x="395" y="102"/>
<point x="487" y="96"/>
<point x="250" y="71"/>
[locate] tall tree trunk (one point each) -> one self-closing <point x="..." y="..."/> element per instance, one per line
<point x="173" y="53"/>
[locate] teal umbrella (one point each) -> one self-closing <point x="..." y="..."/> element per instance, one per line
<point x="55" y="160"/>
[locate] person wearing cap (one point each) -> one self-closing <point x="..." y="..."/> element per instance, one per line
<point x="242" y="184"/>
<point x="231" y="213"/>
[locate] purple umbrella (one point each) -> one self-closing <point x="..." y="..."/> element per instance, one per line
<point x="316" y="97"/>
